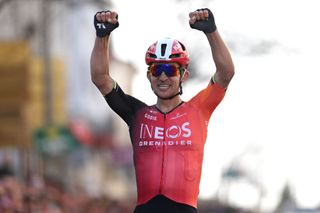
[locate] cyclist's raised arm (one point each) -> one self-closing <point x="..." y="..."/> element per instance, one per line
<point x="203" y="20"/>
<point x="105" y="22"/>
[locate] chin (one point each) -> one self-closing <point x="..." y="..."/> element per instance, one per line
<point x="161" y="95"/>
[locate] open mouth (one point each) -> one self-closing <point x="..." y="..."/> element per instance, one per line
<point x="163" y="86"/>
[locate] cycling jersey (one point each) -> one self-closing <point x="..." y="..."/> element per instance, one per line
<point x="167" y="147"/>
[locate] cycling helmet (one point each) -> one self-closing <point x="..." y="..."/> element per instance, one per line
<point x="167" y="50"/>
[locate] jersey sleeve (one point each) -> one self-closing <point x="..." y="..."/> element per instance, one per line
<point x="124" y="105"/>
<point x="209" y="98"/>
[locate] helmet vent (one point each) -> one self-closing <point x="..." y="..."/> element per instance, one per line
<point x="152" y="55"/>
<point x="183" y="47"/>
<point x="163" y="49"/>
<point x="175" y="55"/>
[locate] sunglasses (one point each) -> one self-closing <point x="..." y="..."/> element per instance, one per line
<point x="171" y="70"/>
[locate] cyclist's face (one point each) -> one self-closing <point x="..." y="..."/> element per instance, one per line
<point x="166" y="82"/>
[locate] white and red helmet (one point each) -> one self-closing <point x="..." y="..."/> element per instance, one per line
<point x="167" y="51"/>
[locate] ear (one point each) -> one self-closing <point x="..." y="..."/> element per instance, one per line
<point x="185" y="75"/>
<point x="149" y="75"/>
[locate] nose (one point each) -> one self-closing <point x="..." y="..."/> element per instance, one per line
<point x="163" y="76"/>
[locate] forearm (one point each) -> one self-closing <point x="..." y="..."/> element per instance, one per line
<point x="99" y="64"/>
<point x="222" y="59"/>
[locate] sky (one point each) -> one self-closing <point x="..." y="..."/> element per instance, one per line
<point x="268" y="122"/>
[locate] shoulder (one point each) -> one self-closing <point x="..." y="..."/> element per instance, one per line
<point x="210" y="92"/>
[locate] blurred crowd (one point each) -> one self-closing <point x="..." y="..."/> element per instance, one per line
<point x="51" y="197"/>
<point x="47" y="195"/>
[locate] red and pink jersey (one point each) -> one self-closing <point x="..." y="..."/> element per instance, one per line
<point x="168" y="147"/>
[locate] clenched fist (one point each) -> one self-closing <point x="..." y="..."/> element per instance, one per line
<point x="105" y="22"/>
<point x="203" y="20"/>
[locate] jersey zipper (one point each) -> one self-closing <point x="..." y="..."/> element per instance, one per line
<point x="164" y="147"/>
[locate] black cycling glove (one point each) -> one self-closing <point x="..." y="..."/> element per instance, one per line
<point x="208" y="25"/>
<point x="104" y="28"/>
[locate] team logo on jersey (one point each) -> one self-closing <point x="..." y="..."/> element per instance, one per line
<point x="150" y="117"/>
<point x="173" y="135"/>
<point x="178" y="115"/>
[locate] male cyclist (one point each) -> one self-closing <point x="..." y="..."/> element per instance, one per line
<point x="167" y="138"/>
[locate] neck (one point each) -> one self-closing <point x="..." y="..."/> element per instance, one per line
<point x="167" y="105"/>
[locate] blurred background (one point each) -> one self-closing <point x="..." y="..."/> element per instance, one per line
<point x="63" y="150"/>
